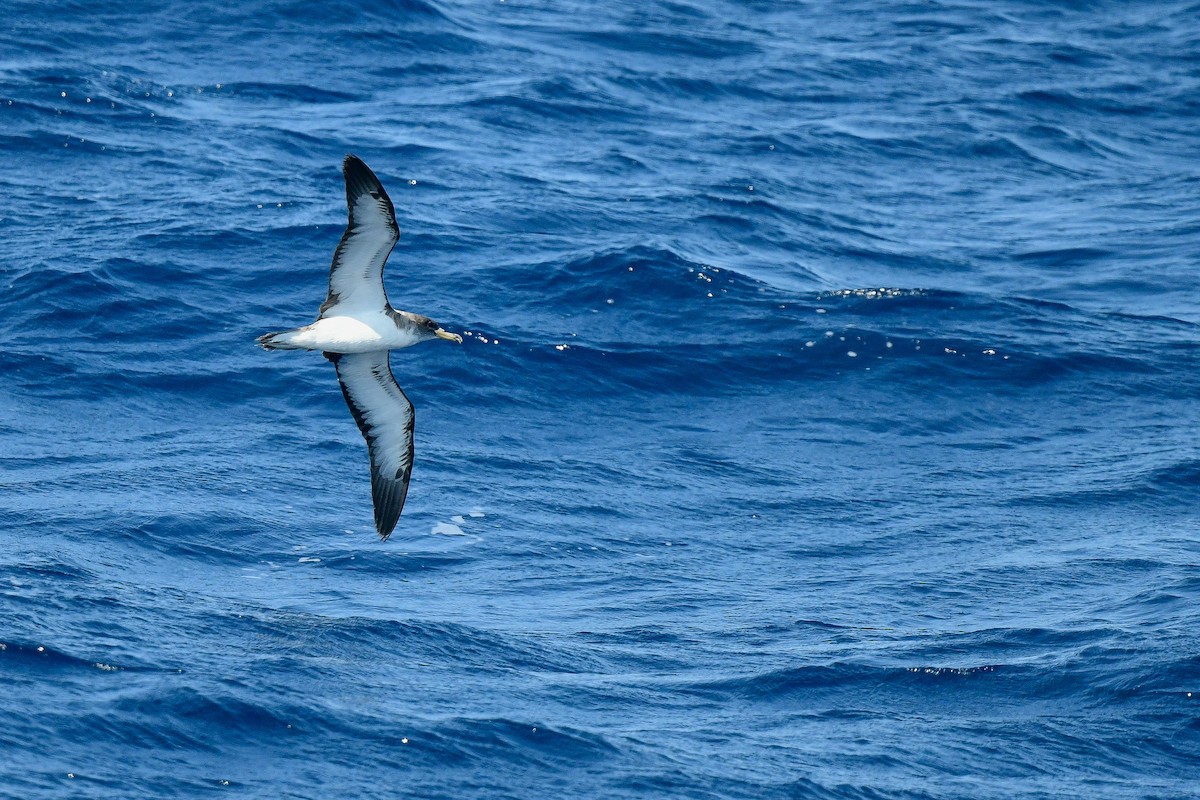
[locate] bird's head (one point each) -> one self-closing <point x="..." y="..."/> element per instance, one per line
<point x="433" y="330"/>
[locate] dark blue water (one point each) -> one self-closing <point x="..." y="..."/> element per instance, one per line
<point x="827" y="422"/>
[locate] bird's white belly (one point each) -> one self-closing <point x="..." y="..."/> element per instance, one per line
<point x="357" y="334"/>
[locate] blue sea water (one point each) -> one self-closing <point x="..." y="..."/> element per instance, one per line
<point x="826" y="425"/>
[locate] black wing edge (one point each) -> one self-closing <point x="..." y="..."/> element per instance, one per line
<point x="388" y="497"/>
<point x="359" y="180"/>
<point x="387" y="494"/>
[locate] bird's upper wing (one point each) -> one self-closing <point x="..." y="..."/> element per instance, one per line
<point x="356" y="276"/>
<point x="385" y="417"/>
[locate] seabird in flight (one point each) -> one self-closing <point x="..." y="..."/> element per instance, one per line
<point x="356" y="328"/>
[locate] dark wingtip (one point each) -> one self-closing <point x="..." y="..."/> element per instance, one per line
<point x="386" y="519"/>
<point x="362" y="179"/>
<point x="354" y="168"/>
<point x="385" y="523"/>
<point x="388" y="498"/>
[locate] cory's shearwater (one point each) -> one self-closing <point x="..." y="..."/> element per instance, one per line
<point x="356" y="328"/>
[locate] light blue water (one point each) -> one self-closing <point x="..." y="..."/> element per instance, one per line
<point x="826" y="424"/>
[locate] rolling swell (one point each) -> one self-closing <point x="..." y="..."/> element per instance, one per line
<point x="823" y="425"/>
<point x="735" y="333"/>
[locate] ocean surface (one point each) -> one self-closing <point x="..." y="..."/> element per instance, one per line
<point x="827" y="423"/>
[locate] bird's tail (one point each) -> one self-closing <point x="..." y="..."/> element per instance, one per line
<point x="280" y="340"/>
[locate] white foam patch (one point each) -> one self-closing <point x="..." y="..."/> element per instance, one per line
<point x="448" y="529"/>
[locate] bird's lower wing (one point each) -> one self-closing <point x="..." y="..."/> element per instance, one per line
<point x="385" y="417"/>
